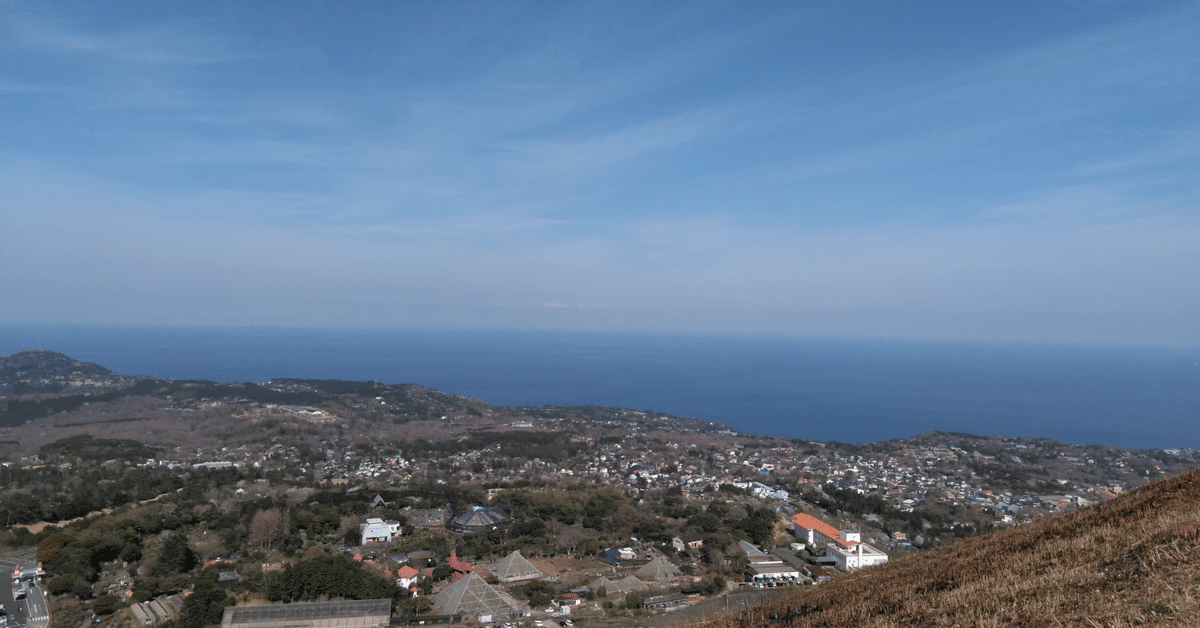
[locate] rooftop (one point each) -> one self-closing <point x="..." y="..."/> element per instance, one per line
<point x="341" y="614"/>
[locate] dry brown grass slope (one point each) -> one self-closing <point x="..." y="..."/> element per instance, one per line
<point x="1130" y="561"/>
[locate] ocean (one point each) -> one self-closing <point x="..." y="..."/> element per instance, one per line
<point x="811" y="388"/>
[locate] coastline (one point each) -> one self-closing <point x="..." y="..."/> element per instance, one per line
<point x="818" y="388"/>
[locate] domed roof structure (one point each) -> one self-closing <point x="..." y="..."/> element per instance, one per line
<point x="479" y="520"/>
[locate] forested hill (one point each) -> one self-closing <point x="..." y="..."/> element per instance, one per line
<point x="49" y="372"/>
<point x="37" y="384"/>
<point x="74" y="397"/>
<point x="41" y="383"/>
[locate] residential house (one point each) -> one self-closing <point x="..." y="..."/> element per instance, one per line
<point x="406" y="577"/>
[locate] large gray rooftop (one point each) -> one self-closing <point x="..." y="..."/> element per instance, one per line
<point x="341" y="614"/>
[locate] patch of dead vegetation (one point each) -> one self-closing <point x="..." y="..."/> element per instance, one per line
<point x="1131" y="561"/>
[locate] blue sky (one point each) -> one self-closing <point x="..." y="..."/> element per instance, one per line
<point x="994" y="171"/>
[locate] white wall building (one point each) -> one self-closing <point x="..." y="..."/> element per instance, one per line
<point x="856" y="556"/>
<point x="379" y="531"/>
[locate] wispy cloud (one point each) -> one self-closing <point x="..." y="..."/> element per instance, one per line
<point x="1005" y="278"/>
<point x="14" y="87"/>
<point x="584" y="156"/>
<point x="157" y="45"/>
<point x="565" y="166"/>
<point x="1064" y="89"/>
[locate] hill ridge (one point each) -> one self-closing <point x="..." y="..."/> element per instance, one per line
<point x="41" y="371"/>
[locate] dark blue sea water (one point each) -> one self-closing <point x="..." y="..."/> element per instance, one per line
<point x="825" y="389"/>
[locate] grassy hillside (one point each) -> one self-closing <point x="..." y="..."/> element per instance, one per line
<point x="1130" y="561"/>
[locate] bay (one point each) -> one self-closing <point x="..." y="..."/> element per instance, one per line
<point x="849" y="390"/>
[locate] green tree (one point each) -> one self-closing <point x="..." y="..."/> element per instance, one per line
<point x="705" y="522"/>
<point x="59" y="585"/>
<point x="206" y="604"/>
<point x="131" y="553"/>
<point x="319" y="520"/>
<point x="107" y="604"/>
<point x="539" y="593"/>
<point x="176" y="556"/>
<point x="529" y="527"/>
<point x="412" y="606"/>
<point x="442" y="572"/>
<point x="328" y="576"/>
<point x="712" y="585"/>
<point x="599" y="513"/>
<point x="652" y="529"/>
<point x="759" y="525"/>
<point x="81" y="590"/>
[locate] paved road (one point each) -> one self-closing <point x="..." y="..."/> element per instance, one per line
<point x="31" y="612"/>
<point x="36" y="606"/>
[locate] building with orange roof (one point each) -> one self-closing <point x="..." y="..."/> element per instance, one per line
<point x="816" y="532"/>
<point x="406" y="576"/>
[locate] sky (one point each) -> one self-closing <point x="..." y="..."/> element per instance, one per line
<point x="1017" y="171"/>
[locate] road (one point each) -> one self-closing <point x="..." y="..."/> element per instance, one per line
<point x="31" y="612"/>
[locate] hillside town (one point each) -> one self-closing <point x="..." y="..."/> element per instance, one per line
<point x="1012" y="480"/>
<point x="832" y="508"/>
<point x="162" y="501"/>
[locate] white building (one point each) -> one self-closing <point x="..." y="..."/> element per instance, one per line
<point x="379" y="531"/>
<point x="813" y="531"/>
<point x="769" y="567"/>
<point x="406" y="577"/>
<point x="856" y="556"/>
<point x="758" y="489"/>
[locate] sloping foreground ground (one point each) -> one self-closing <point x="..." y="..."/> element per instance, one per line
<point x="1130" y="561"/>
